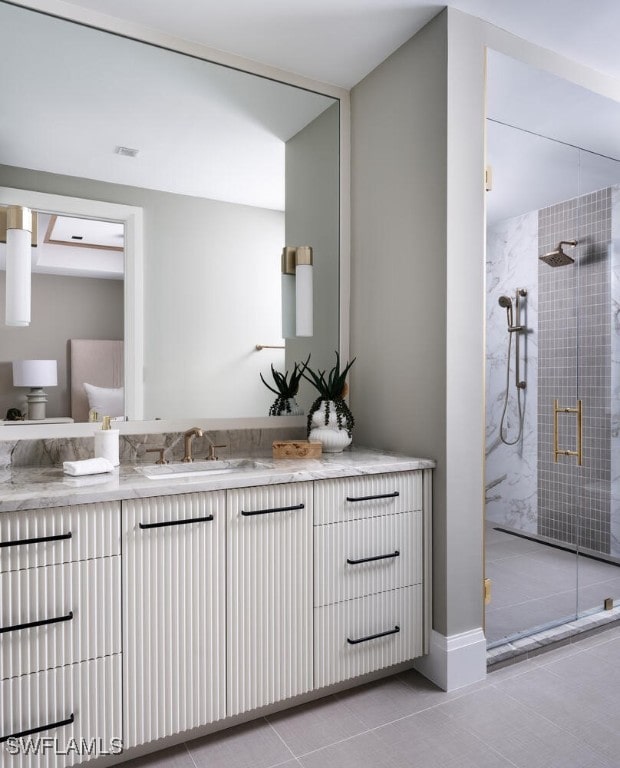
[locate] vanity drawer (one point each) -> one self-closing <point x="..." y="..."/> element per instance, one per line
<point x="73" y="610"/>
<point x="36" y="537"/>
<point x="369" y="496"/>
<point x="360" y="636"/>
<point x="73" y="709"/>
<point x="364" y="557"/>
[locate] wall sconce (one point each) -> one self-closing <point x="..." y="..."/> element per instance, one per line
<point x="35" y="374"/>
<point x="16" y="230"/>
<point x="297" y="291"/>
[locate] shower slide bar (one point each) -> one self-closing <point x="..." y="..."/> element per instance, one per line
<point x="557" y="451"/>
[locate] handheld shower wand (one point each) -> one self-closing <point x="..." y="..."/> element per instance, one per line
<point x="506" y="302"/>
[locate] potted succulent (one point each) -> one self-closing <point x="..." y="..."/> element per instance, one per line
<point x="285" y="389"/>
<point x="329" y="419"/>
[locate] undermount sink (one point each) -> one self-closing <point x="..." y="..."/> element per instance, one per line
<point x="199" y="468"/>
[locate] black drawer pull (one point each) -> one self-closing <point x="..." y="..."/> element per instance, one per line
<point x="371" y="498"/>
<point x="396" y="553"/>
<point x="39" y="540"/>
<point x="41" y="623"/>
<point x="275" y="509"/>
<point x="374" y="637"/>
<point x="30" y="731"/>
<point x="166" y="523"/>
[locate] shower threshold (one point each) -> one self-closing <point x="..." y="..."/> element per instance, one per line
<point x="525" y="645"/>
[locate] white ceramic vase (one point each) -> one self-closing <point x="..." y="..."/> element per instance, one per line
<point x="333" y="438"/>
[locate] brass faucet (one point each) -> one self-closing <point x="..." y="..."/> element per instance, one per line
<point x="188" y="438"/>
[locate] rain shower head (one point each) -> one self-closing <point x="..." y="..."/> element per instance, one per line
<point x="558" y="258"/>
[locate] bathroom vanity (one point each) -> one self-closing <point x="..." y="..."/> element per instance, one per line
<point x="145" y="610"/>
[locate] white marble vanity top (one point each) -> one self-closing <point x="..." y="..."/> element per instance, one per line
<point x="40" y="487"/>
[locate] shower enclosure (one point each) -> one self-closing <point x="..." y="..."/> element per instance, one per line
<point x="553" y="405"/>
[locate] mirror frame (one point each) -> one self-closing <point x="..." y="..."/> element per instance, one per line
<point x="134" y="331"/>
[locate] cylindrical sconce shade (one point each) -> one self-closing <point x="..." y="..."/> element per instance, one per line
<point x="35" y="373"/>
<point x="288" y="306"/>
<point x="304" y="292"/>
<point x="18" y="265"/>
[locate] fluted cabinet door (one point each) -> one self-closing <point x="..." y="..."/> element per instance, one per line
<point x="269" y="590"/>
<point x="173" y="614"/>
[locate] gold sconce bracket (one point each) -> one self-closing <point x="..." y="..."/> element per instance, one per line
<point x="18" y="217"/>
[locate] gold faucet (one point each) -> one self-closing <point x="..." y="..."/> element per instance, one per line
<point x="188" y="438"/>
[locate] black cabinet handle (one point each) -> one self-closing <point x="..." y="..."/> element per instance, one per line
<point x="371" y="498"/>
<point x="373" y="637"/>
<point x="41" y="623"/>
<point x="39" y="540"/>
<point x="40" y="728"/>
<point x="275" y="509"/>
<point x="396" y="553"/>
<point x="166" y="523"/>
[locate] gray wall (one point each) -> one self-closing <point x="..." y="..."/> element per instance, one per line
<point x="398" y="273"/>
<point x="418" y="286"/>
<point x="312" y="204"/>
<point x="63" y="308"/>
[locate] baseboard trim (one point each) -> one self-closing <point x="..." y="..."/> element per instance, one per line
<point x="455" y="661"/>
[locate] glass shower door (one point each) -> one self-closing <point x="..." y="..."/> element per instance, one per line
<point x="598" y="531"/>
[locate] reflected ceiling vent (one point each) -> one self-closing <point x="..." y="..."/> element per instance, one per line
<point x="126" y="151"/>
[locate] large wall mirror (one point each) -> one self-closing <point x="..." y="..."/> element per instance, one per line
<point x="230" y="167"/>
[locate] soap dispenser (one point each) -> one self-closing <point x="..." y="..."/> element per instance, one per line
<point x="106" y="443"/>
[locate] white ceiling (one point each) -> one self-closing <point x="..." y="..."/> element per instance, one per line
<point x="340" y="41"/>
<point x="201" y="129"/>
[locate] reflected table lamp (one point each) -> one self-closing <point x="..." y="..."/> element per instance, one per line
<point x="35" y="374"/>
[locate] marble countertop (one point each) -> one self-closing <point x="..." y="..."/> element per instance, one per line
<point x="37" y="488"/>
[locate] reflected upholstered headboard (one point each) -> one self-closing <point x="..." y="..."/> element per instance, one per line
<point x="94" y="361"/>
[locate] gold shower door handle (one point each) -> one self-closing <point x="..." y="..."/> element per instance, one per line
<point x="557" y="451"/>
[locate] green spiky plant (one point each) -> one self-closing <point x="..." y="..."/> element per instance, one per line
<point x="285" y="388"/>
<point x="331" y="389"/>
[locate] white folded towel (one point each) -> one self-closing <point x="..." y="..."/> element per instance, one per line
<point x="87" y="467"/>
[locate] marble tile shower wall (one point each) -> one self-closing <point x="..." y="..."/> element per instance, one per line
<point x="574" y="349"/>
<point x="511" y="482"/>
<point x="251" y="443"/>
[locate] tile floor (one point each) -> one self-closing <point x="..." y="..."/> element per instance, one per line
<point x="533" y="584"/>
<point x="558" y="710"/>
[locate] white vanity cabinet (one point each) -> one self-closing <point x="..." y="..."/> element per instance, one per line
<point x="269" y="594"/>
<point x="60" y="635"/>
<point x="174" y="616"/>
<point x="371" y="559"/>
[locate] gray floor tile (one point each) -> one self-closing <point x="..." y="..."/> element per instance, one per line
<point x="252" y="745"/>
<point x="364" y="751"/>
<point x="387" y="700"/>
<point x="174" y="757"/>
<point x="431" y="740"/>
<point x="315" y="725"/>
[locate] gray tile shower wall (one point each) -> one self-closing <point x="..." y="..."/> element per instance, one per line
<point x="574" y="347"/>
